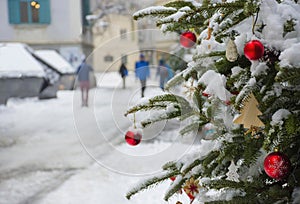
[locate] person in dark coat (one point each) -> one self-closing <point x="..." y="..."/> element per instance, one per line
<point x="124" y="73"/>
<point x="142" y="72"/>
<point x="83" y="73"/>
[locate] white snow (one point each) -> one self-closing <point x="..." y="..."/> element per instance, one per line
<point x="55" y="60"/>
<point x="258" y="68"/>
<point x="17" y="61"/>
<point x="215" y="85"/>
<point x="235" y="71"/>
<point x="174" y="17"/>
<point x="290" y="56"/>
<point x="64" y="153"/>
<point x="278" y="116"/>
<point x="152" y="9"/>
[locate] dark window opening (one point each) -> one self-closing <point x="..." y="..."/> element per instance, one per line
<point x="108" y="58"/>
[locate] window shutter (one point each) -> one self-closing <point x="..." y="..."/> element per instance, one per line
<point x="14" y="11"/>
<point x="85" y="11"/>
<point x="44" y="13"/>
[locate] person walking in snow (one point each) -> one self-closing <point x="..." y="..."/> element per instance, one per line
<point x="142" y="72"/>
<point x="164" y="72"/>
<point x="83" y="73"/>
<point x="124" y="73"/>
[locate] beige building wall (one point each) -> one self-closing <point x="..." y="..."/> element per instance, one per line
<point x="119" y="39"/>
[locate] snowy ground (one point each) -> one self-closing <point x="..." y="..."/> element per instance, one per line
<point x="55" y="151"/>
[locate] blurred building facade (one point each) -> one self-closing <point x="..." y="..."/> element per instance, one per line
<point x="109" y="37"/>
<point x="49" y="24"/>
<point x="116" y="42"/>
<point x="152" y="41"/>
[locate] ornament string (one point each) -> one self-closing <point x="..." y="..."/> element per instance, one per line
<point x="134" y="121"/>
<point x="255" y="21"/>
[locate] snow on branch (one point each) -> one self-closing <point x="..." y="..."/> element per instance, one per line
<point x="154" y="10"/>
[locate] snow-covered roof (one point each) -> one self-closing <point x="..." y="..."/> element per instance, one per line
<point x="16" y="60"/>
<point x="55" y="60"/>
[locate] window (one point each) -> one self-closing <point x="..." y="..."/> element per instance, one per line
<point x="108" y="58"/>
<point x="29" y="11"/>
<point x="124" y="59"/>
<point x="123" y="34"/>
<point x="85" y="4"/>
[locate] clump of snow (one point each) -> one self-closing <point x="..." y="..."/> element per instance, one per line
<point x="278" y="116"/>
<point x="258" y="68"/>
<point x="251" y="82"/>
<point x="290" y="57"/>
<point x="296" y="196"/>
<point x="215" y="85"/>
<point x="235" y="71"/>
<point x="186" y="8"/>
<point x="153" y="9"/>
<point x="222" y="194"/>
<point x="240" y="43"/>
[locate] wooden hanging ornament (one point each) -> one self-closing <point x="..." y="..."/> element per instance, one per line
<point x="249" y="114"/>
<point x="231" y="51"/>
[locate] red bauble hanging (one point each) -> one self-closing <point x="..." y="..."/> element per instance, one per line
<point x="254" y="50"/>
<point x="188" y="39"/>
<point x="277" y="165"/>
<point x="205" y="94"/>
<point x="133" y="137"/>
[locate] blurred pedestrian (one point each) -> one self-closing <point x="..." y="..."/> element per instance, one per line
<point x="83" y="73"/>
<point x="165" y="73"/>
<point x="124" y="73"/>
<point x="142" y="72"/>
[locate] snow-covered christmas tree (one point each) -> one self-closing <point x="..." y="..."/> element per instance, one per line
<point x="246" y="68"/>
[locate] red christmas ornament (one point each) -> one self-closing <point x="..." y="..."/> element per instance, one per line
<point x="133" y="138"/>
<point x="227" y="102"/>
<point x="254" y="50"/>
<point x="173" y="178"/>
<point x="277" y="165"/>
<point x="188" y="39"/>
<point x="205" y="94"/>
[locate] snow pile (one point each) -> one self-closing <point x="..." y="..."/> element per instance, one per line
<point x="16" y="61"/>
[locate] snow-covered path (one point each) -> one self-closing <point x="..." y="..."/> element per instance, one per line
<point x="55" y="151"/>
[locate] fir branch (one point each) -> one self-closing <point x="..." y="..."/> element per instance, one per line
<point x="290" y="75"/>
<point x="176" y="80"/>
<point x="188" y="168"/>
<point x="170" y="166"/>
<point x="150" y="182"/>
<point x="161" y="117"/>
<point x="180" y="4"/>
<point x="224" y="183"/>
<point x="159" y="102"/>
<point x="189" y="114"/>
<point x="174" y="188"/>
<point x="154" y="11"/>
<point x="219" y="34"/>
<point x="146" y="107"/>
<point x="211" y="54"/>
<point x="194" y="126"/>
<point x="251" y="150"/>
